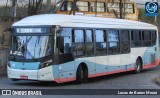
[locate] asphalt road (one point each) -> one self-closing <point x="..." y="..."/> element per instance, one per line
<point x="127" y="80"/>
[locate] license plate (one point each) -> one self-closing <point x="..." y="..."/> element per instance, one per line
<point x="24" y="77"/>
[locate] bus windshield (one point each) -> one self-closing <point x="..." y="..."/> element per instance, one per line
<point x="31" y="47"/>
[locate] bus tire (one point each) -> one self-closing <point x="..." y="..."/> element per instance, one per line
<point x="138" y="66"/>
<point x="79" y="75"/>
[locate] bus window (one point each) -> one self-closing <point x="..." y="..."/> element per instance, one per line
<point x="56" y="7"/>
<point x="129" y="8"/>
<point x="66" y="33"/>
<point x="146" y="36"/>
<point x="100" y="6"/>
<point x="89" y="42"/>
<point x="100" y="42"/>
<point x="136" y="38"/>
<point x="125" y="42"/>
<point x="78" y="45"/>
<point x="113" y="41"/>
<point x="154" y="37"/>
<point x="82" y="6"/>
<point x="67" y="6"/>
<point x="111" y="7"/>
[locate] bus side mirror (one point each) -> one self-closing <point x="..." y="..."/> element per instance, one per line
<point x="61" y="42"/>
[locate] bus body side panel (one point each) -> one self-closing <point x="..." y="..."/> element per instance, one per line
<point x="66" y="72"/>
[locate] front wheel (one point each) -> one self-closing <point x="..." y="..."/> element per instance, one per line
<point x="138" y="66"/>
<point x="79" y="75"/>
<point x="82" y="74"/>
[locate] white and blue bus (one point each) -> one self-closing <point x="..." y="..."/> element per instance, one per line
<point x="64" y="48"/>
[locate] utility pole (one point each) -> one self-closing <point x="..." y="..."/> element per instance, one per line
<point x="120" y="8"/>
<point x="155" y="17"/>
<point x="13" y="9"/>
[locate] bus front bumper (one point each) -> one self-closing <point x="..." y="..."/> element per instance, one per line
<point x="39" y="75"/>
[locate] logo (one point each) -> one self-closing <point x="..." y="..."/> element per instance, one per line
<point x="151" y="8"/>
<point x="6" y="92"/>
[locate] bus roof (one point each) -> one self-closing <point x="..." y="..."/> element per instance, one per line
<point x="81" y="21"/>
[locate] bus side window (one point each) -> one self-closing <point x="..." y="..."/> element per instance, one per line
<point x="67" y="35"/>
<point x="100" y="42"/>
<point x="67" y="6"/>
<point x="146" y="36"/>
<point x="136" y="38"/>
<point x="82" y="6"/>
<point x="89" y="42"/>
<point x="125" y="41"/>
<point x="78" y="43"/>
<point x="154" y="37"/>
<point x="113" y="41"/>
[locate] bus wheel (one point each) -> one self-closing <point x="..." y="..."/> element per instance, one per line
<point x="138" y="66"/>
<point x="79" y="75"/>
<point x="82" y="74"/>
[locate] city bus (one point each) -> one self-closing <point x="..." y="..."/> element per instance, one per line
<point x="97" y="8"/>
<point x="63" y="48"/>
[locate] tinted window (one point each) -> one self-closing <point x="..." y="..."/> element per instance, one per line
<point x="113" y="41"/>
<point x="78" y="44"/>
<point x="79" y="36"/>
<point x="89" y="42"/>
<point x="125" y="42"/>
<point x="136" y="38"/>
<point x="67" y="35"/>
<point x="100" y="42"/>
<point x="89" y="36"/>
<point x="154" y="37"/>
<point x="146" y="35"/>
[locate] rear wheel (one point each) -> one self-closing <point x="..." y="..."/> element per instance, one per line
<point x="138" y="66"/>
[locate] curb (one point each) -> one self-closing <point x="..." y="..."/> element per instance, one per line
<point x="157" y="80"/>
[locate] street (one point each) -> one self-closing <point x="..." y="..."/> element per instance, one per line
<point x="127" y="80"/>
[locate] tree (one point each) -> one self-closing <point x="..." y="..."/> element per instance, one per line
<point x="34" y="7"/>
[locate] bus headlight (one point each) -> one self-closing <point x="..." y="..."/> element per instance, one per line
<point x="45" y="64"/>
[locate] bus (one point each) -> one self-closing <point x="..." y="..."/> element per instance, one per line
<point x="98" y="8"/>
<point x="63" y="48"/>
